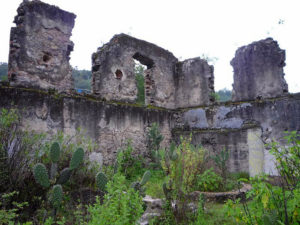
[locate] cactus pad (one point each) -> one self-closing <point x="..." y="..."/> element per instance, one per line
<point x="64" y="176"/>
<point x="41" y="175"/>
<point x="146" y="177"/>
<point x="57" y="195"/>
<point x="54" y="152"/>
<point x="101" y="181"/>
<point x="77" y="158"/>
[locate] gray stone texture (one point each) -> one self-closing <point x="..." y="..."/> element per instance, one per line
<point x="40" y="47"/>
<point x="258" y="71"/>
<point x="119" y="54"/>
<point x="168" y="83"/>
<point x="194" y="83"/>
<point x="210" y="124"/>
<point x="109" y="125"/>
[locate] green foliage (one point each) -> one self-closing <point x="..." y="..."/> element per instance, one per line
<point x="8" y="215"/>
<point x="209" y="181"/>
<point x="41" y="175"/>
<point x="101" y="181"/>
<point x="154" y="185"/>
<point x="154" y="140"/>
<point x="3" y="71"/>
<point x="128" y="165"/>
<point x="77" y="158"/>
<point x="56" y="196"/>
<point x="54" y="152"/>
<point x="221" y="163"/>
<point x="200" y="220"/>
<point x="82" y="79"/>
<point x="138" y="185"/>
<point x="146" y="177"/>
<point x="274" y="204"/>
<point x="140" y="81"/>
<point x="182" y="175"/>
<point x="224" y="95"/>
<point x="120" y="206"/>
<point x="64" y="176"/>
<point x="215" y="96"/>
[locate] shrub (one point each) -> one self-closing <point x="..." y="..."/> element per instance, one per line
<point x="209" y="181"/>
<point x="9" y="213"/>
<point x="128" y="165"/>
<point x="16" y="149"/>
<point x="154" y="140"/>
<point x="121" y="205"/>
<point x="274" y="204"/>
<point x="181" y="167"/>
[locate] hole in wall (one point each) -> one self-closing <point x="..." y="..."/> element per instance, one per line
<point x="119" y="74"/>
<point x="143" y="60"/>
<point x="139" y="71"/>
<point x="46" y="58"/>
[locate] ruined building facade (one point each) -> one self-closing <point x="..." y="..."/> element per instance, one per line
<point x="179" y="96"/>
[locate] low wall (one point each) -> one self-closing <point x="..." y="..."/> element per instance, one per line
<point x="243" y="128"/>
<point x="109" y="124"/>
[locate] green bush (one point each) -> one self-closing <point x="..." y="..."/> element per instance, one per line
<point x="10" y="212"/>
<point x="121" y="205"/>
<point x="182" y="168"/>
<point x="129" y="165"/>
<point x="154" y="140"/>
<point x="272" y="204"/>
<point x="209" y="181"/>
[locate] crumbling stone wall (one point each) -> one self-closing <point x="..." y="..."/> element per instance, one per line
<point x="194" y="83"/>
<point x="258" y="71"/>
<point x="39" y="59"/>
<point x="168" y="83"/>
<point x="248" y="127"/>
<point x="109" y="125"/>
<point x="40" y="47"/>
<point x="114" y="77"/>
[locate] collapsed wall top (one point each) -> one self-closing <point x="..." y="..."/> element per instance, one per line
<point x="258" y="71"/>
<point x="40" y="47"/>
<point x="168" y="83"/>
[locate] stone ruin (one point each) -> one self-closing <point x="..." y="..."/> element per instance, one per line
<point x="40" y="47"/>
<point x="179" y="95"/>
<point x="168" y="83"/>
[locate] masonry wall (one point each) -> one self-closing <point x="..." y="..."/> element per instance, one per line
<point x="109" y="125"/>
<point x="194" y="83"/>
<point x="40" y="47"/>
<point x="168" y="83"/>
<point x="114" y="77"/>
<point x="269" y="119"/>
<point x="258" y="71"/>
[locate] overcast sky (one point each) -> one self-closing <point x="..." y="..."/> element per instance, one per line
<point x="187" y="28"/>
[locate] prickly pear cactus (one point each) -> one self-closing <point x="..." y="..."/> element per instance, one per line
<point x="145" y="178"/>
<point x="57" y="195"/>
<point x="64" y="176"/>
<point x="41" y="175"/>
<point x="136" y="185"/>
<point x="53" y="171"/>
<point x="101" y="181"/>
<point x="77" y="158"/>
<point x="54" y="152"/>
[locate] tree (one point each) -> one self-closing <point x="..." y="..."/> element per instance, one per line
<point x="224" y="94"/>
<point x="3" y="71"/>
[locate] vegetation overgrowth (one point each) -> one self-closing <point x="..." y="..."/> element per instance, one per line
<point x="34" y="192"/>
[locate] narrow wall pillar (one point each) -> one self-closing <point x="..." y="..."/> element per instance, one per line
<point x="40" y="47"/>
